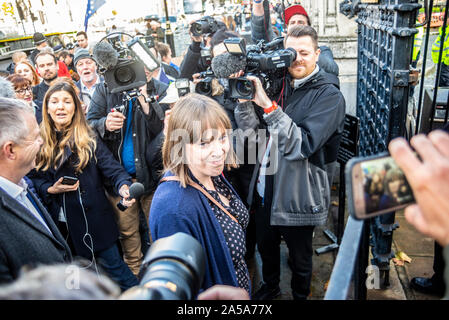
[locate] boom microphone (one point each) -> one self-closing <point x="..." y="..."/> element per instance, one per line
<point x="6" y="89"/>
<point x="105" y="55"/>
<point x="136" y="190"/>
<point x="226" y="64"/>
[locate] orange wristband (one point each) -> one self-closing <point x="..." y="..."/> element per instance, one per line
<point x="273" y="107"/>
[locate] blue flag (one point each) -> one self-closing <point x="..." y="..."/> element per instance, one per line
<point x="92" y="7"/>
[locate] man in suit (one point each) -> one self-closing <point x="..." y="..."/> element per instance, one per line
<point x="28" y="236"/>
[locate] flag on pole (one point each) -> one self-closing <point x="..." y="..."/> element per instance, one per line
<point x="92" y="7"/>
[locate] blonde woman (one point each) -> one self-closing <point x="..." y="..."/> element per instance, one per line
<point x="25" y="69"/>
<point x="78" y="204"/>
<point x="194" y="197"/>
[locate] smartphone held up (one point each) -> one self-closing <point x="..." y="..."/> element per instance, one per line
<point x="376" y="185"/>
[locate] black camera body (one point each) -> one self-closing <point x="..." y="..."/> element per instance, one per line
<point x="206" y="56"/>
<point x="204" y="25"/>
<point x="126" y="75"/>
<point x="267" y="61"/>
<point x="241" y="88"/>
<point x="204" y="87"/>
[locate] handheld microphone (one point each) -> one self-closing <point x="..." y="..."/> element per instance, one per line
<point x="6" y="89"/>
<point x="136" y="190"/>
<point x="105" y="55"/>
<point x="226" y="64"/>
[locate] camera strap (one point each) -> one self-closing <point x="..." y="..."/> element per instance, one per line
<point x="158" y="109"/>
<point x="198" y="187"/>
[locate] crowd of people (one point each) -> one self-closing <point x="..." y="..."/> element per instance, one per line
<point x="70" y="150"/>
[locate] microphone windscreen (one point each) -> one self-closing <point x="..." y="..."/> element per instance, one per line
<point x="6" y="89"/>
<point x="136" y="190"/>
<point x="226" y="64"/>
<point x="105" y="55"/>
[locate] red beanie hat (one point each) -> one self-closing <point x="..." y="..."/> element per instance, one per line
<point x="292" y="10"/>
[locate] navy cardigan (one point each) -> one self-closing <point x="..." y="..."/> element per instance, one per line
<point x="177" y="209"/>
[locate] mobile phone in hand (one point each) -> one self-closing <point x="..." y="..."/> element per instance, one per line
<point x="69" y="180"/>
<point x="376" y="185"/>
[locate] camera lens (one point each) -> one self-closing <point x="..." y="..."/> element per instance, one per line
<point x="204" y="87"/>
<point x="244" y="87"/>
<point x="124" y="75"/>
<point x="197" y="29"/>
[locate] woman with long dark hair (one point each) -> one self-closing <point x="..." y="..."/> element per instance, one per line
<point x="78" y="204"/>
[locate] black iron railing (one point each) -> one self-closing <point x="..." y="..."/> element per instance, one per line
<point x="386" y="33"/>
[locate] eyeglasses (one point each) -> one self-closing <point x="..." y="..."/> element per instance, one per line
<point x="22" y="91"/>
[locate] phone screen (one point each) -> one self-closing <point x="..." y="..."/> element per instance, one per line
<point x="69" y="180"/>
<point x="379" y="186"/>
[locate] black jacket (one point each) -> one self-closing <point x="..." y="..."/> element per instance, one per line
<point x="25" y="241"/>
<point x="192" y="62"/>
<point x="40" y="90"/>
<point x="322" y="85"/>
<point x="145" y="128"/>
<point x="98" y="211"/>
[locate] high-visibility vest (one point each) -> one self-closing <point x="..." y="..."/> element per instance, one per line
<point x="437" y="44"/>
<point x="417" y="42"/>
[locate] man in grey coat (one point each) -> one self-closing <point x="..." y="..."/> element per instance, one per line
<point x="28" y="236"/>
<point x="291" y="188"/>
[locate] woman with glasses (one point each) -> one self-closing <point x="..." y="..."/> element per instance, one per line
<point x="25" y="69"/>
<point x="22" y="87"/>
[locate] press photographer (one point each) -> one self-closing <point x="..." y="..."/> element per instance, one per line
<point x="128" y="117"/>
<point x="291" y="186"/>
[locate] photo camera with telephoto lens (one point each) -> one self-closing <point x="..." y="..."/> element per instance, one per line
<point x="204" y="87"/>
<point x="205" y="25"/>
<point x="376" y="185"/>
<point x="129" y="74"/>
<point x="267" y="61"/>
<point x="173" y="269"/>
